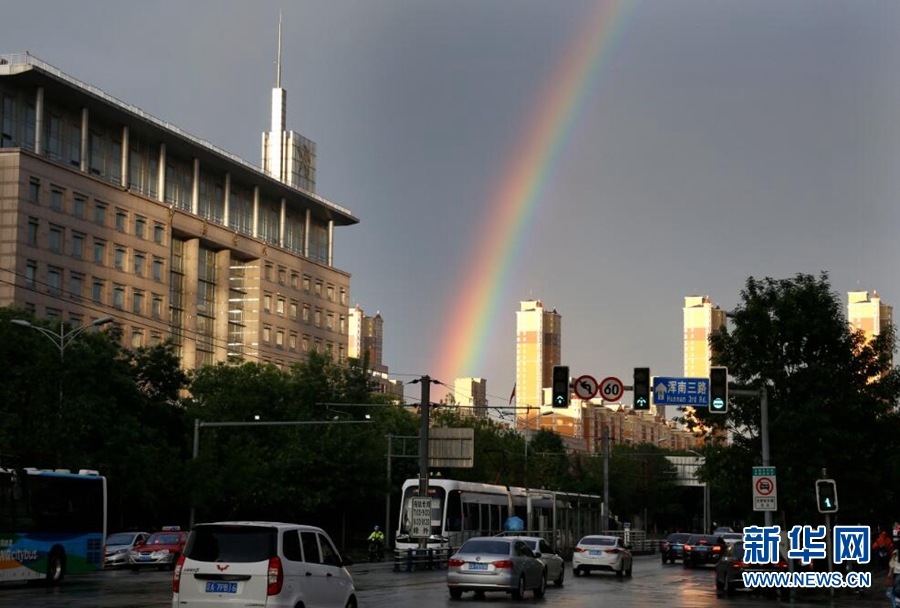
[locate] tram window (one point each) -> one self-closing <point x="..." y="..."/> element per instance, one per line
<point x="471" y="517"/>
<point x="454" y="512"/>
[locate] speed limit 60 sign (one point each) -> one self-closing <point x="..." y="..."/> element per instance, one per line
<point x="611" y="389"/>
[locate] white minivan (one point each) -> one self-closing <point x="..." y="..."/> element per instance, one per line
<point x="254" y="563"/>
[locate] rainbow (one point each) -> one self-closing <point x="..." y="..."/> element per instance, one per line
<point x="516" y="197"/>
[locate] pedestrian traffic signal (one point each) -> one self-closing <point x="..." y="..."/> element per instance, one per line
<point x="560" y="386"/>
<point x="718" y="390"/>
<point x="641" y="388"/>
<point x="826" y="495"/>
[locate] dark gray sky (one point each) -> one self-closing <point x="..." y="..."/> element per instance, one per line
<point x="722" y="139"/>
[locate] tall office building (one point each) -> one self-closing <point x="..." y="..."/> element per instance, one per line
<point x="868" y="314"/>
<point x="471" y="393"/>
<point x="366" y="338"/>
<point x="107" y="210"/>
<point x="538" y="349"/>
<point x="701" y="318"/>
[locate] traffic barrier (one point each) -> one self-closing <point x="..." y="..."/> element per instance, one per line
<point x="410" y="560"/>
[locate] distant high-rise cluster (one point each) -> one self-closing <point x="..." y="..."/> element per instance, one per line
<point x="366" y="338"/>
<point x="471" y="393"/>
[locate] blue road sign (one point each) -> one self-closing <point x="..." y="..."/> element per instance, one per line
<point x="680" y="391"/>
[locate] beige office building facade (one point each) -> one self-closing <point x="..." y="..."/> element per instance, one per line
<point x="107" y="211"/>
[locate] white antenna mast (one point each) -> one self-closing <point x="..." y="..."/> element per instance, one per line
<point x="278" y="75"/>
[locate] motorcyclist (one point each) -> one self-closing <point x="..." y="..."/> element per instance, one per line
<point x="376" y="544"/>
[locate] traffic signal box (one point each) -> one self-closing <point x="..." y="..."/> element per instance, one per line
<point x="560" y="386"/>
<point x="826" y="495"/>
<point x="718" y="390"/>
<point x="641" y="388"/>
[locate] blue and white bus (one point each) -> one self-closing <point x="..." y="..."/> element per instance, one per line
<point x="51" y="523"/>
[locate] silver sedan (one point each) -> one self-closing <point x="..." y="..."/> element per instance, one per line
<point x="495" y="563"/>
<point x="556" y="566"/>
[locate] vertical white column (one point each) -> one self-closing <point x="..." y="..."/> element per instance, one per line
<point x="256" y="211"/>
<point x="281" y="220"/>
<point x="161" y="188"/>
<point x="85" y="125"/>
<point x="306" y="233"/>
<point x="126" y="150"/>
<point x="39" y="121"/>
<point x="330" y="242"/>
<point x="195" y="189"/>
<point x="227" y="215"/>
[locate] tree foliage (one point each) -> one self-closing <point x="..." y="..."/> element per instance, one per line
<point x="832" y="400"/>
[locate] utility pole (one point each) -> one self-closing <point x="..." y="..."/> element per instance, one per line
<point x="606" y="455"/>
<point x="425" y="407"/>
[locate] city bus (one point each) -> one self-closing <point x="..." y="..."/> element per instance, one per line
<point x="463" y="509"/>
<point x="52" y="523"/>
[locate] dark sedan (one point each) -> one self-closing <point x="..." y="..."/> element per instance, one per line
<point x="730" y="570"/>
<point x="672" y="548"/>
<point x="703" y="549"/>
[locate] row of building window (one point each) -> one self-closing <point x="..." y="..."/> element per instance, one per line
<point x="305" y="342"/>
<point x="141" y="262"/>
<point x="269" y="274"/>
<point x="308" y="316"/>
<point x="101" y="291"/>
<point x="137" y="225"/>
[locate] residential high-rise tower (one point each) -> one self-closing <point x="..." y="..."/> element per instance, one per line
<point x="538" y="349"/>
<point x="701" y="318"/>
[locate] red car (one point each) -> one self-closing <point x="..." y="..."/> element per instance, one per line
<point x="161" y="550"/>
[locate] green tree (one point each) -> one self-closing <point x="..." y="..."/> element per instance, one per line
<point x="831" y="400"/>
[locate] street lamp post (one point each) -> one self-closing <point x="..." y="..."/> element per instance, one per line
<point x="62" y="340"/>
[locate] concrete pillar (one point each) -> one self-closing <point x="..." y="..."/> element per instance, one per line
<point x="195" y="189"/>
<point x="227" y="216"/>
<point x="330" y="242"/>
<point x="39" y="121"/>
<point x="281" y="221"/>
<point x="161" y="188"/>
<point x="85" y="125"/>
<point x="125" y="152"/>
<point x="255" y="229"/>
<point x="306" y="233"/>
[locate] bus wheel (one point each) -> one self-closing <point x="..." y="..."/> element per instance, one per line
<point x="56" y="566"/>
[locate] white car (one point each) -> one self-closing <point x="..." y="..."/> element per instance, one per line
<point x="119" y="545"/>
<point x="597" y="552"/>
<point x="556" y="567"/>
<point x="253" y="563"/>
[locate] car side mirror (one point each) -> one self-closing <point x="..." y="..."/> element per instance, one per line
<point x="537" y="553"/>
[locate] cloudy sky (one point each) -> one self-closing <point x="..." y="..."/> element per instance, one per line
<point x="607" y="159"/>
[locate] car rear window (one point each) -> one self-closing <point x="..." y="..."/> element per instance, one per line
<point x="493" y="547"/>
<point x="606" y="542"/>
<point x="678" y="538"/>
<point x="164" y="539"/>
<point x="241" y="544"/>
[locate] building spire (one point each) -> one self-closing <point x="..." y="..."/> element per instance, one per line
<point x="278" y="74"/>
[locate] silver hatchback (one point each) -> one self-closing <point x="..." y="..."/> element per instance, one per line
<point x="495" y="563"/>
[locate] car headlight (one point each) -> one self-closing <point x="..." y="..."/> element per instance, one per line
<point x="162" y="552"/>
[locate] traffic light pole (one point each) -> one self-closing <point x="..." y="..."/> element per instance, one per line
<point x="763" y="395"/>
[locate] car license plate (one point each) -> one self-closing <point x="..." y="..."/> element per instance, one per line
<point x="594" y="552"/>
<point x="145" y="558"/>
<point x="217" y="587"/>
<point x="477" y="566"/>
